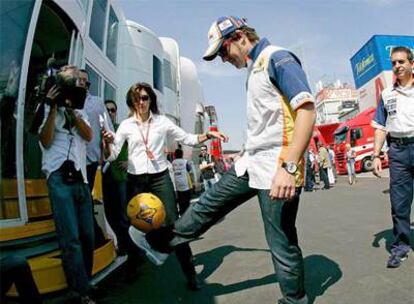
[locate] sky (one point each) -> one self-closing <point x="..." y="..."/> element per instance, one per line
<point x="323" y="34"/>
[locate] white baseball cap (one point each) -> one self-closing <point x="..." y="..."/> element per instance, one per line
<point x="219" y="31"/>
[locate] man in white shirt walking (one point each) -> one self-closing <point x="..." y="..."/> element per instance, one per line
<point x="395" y="117"/>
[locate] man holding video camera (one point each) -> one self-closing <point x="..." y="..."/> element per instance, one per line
<point x="63" y="135"/>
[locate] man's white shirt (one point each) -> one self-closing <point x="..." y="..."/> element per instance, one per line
<point x="54" y="156"/>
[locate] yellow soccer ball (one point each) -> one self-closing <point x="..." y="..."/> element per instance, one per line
<point x="146" y="212"/>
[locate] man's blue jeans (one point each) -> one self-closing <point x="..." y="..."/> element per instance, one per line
<point x="279" y="223"/>
<point x="401" y="191"/>
<point x="208" y="183"/>
<point x="72" y="212"/>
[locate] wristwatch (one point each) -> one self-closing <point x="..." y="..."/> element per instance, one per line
<point x="290" y="166"/>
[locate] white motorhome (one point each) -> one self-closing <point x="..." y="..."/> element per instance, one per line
<point x="116" y="53"/>
<point x="192" y="110"/>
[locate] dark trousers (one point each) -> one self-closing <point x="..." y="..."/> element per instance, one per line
<point x="16" y="269"/>
<point x="183" y="198"/>
<point x="91" y="172"/>
<point x="279" y="219"/>
<point x="72" y="212"/>
<point x="160" y="184"/>
<point x="309" y="179"/>
<point x="323" y="173"/>
<point x="401" y="159"/>
<point x="115" y="203"/>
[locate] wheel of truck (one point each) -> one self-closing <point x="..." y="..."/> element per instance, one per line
<point x="367" y="164"/>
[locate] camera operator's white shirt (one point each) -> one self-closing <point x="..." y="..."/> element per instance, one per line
<point x="54" y="156"/>
<point x="161" y="128"/>
<point x="95" y="108"/>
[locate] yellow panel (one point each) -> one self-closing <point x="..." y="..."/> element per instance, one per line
<point x="28" y="230"/>
<point x="34" y="188"/>
<point x="48" y="272"/>
<point x="103" y="256"/>
<point x="97" y="187"/>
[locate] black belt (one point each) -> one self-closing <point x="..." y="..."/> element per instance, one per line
<point x="402" y="140"/>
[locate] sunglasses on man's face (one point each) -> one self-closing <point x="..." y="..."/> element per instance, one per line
<point x="111" y="110"/>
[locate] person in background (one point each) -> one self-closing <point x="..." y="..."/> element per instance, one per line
<point x="395" y="116"/>
<point x="219" y="168"/>
<point x="206" y="165"/>
<point x="183" y="182"/>
<point x="323" y="165"/>
<point x="98" y="119"/>
<point x="350" y="164"/>
<point x="146" y="133"/>
<point x="332" y="159"/>
<point x="309" y="181"/>
<point x="114" y="177"/>
<point x="63" y="136"/>
<point x="281" y="116"/>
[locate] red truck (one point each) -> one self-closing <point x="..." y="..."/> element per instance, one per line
<point x="360" y="135"/>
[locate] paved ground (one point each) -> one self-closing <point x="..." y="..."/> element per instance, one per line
<point x="344" y="233"/>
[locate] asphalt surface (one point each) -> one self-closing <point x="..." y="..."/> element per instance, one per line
<point x="344" y="232"/>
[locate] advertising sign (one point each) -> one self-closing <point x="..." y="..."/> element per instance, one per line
<point x="374" y="56"/>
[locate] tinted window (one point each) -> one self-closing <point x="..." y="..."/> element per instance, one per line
<point x="157" y="74"/>
<point x="14" y="24"/>
<point x="95" y="80"/>
<point x="170" y="80"/>
<point x="109" y="92"/>
<point x="97" y="26"/>
<point x="112" y="36"/>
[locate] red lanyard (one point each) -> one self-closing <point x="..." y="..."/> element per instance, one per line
<point x="145" y="140"/>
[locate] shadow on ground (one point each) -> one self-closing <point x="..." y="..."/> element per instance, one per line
<point x="166" y="284"/>
<point x="388" y="238"/>
<point x="320" y="274"/>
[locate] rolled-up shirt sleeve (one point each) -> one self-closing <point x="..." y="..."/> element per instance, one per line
<point x="116" y="146"/>
<point x="380" y="118"/>
<point x="287" y="75"/>
<point x="180" y="135"/>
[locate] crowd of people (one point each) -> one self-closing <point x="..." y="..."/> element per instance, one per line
<point x="75" y="141"/>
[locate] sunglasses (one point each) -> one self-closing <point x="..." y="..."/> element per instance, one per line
<point x="111" y="110"/>
<point x="223" y="52"/>
<point x="203" y="150"/>
<point x="143" y="98"/>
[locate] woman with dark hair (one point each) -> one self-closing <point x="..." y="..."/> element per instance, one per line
<point x="146" y="132"/>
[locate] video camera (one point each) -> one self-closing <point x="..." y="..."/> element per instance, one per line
<point x="68" y="90"/>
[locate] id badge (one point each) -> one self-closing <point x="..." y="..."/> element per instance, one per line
<point x="150" y="155"/>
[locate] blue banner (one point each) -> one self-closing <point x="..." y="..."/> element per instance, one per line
<point x="374" y="56"/>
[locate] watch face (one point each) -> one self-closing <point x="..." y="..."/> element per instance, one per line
<point x="291" y="167"/>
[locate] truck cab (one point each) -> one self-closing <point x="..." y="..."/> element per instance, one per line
<point x="360" y="135"/>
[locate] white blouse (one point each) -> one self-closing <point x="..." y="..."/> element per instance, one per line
<point x="134" y="132"/>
